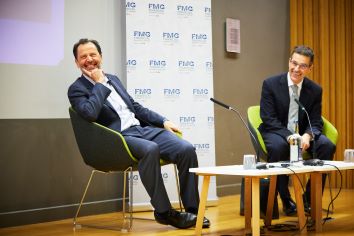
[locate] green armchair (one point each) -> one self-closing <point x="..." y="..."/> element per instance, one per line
<point x="254" y="121"/>
<point x="106" y="151"/>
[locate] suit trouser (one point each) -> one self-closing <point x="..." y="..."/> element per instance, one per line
<point x="278" y="150"/>
<point x="149" y="144"/>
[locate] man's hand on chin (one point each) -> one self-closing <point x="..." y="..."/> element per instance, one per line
<point x="96" y="74"/>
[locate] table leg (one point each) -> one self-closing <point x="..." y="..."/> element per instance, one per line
<point x="248" y="204"/>
<point x="255" y="207"/>
<point x="316" y="200"/>
<point x="299" y="204"/>
<point x="202" y="203"/>
<point x="270" y="204"/>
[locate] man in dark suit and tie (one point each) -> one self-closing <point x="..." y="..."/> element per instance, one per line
<point x="280" y="114"/>
<point x="101" y="97"/>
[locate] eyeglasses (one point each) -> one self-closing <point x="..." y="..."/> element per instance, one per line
<point x="302" y="66"/>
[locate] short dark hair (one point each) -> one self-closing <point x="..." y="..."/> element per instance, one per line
<point x="84" y="41"/>
<point x="305" y="51"/>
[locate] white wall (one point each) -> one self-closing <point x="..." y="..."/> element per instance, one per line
<point x="39" y="91"/>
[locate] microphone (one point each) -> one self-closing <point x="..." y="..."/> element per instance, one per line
<point x="300" y="104"/>
<point x="259" y="166"/>
<point x="221" y="104"/>
<point x="308" y="119"/>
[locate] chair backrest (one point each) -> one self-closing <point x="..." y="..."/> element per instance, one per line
<point x="254" y="121"/>
<point x="101" y="148"/>
<point x="330" y="131"/>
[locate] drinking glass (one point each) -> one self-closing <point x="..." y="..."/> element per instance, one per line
<point x="249" y="161"/>
<point x="349" y="155"/>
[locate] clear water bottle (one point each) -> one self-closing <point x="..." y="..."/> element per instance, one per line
<point x="298" y="142"/>
<point x="294" y="149"/>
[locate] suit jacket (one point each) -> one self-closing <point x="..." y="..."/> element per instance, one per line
<point x="274" y="106"/>
<point x="90" y="101"/>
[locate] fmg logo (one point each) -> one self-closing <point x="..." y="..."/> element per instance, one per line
<point x="170" y="36"/>
<point x="130" y="6"/>
<point x="142" y="94"/>
<point x="141" y="35"/>
<point x="156" y="7"/>
<point x="131" y="63"/>
<point x="202" y="147"/>
<point x="157" y="64"/>
<point x="200" y="92"/>
<point x="142" y="91"/>
<point x="210" y="119"/>
<point x="171" y="92"/>
<point x="207" y="12"/>
<point x="187" y="121"/>
<point x="199" y="37"/>
<point x="209" y="65"/>
<point x="184" y="10"/>
<point x="186" y="65"/>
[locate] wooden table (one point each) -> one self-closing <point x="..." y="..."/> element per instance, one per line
<point x="316" y="187"/>
<point x="251" y="183"/>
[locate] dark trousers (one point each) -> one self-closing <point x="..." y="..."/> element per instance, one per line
<point x="279" y="150"/>
<point x="149" y="144"/>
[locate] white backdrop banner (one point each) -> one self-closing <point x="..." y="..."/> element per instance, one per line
<point x="170" y="70"/>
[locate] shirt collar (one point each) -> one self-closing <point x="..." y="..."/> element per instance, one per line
<point x="290" y="82"/>
<point x="93" y="82"/>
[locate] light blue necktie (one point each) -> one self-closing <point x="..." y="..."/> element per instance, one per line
<point x="293" y="109"/>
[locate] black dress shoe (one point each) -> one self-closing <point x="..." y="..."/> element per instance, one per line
<point x="181" y="220"/>
<point x="206" y="221"/>
<point x="307" y="205"/>
<point x="289" y="207"/>
<point x="307" y="210"/>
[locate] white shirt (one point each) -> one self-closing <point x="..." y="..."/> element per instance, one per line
<point x="290" y="83"/>
<point x="127" y="117"/>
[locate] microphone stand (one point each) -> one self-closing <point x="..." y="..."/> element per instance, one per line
<point x="248" y="129"/>
<point x="259" y="165"/>
<point x="314" y="154"/>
